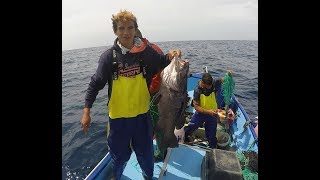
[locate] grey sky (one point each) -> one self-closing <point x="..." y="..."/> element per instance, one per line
<point x="87" y="23"/>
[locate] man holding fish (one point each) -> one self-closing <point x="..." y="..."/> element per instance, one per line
<point x="159" y="154"/>
<point x="127" y="67"/>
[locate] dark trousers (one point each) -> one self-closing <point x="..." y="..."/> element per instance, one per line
<point x="210" y="125"/>
<point x="138" y="130"/>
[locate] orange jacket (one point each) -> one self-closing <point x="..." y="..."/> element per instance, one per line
<point x="156" y="79"/>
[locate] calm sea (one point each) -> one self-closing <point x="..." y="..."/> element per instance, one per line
<point x="80" y="152"/>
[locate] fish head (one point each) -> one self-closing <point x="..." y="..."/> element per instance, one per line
<point x="175" y="75"/>
<point x="182" y="69"/>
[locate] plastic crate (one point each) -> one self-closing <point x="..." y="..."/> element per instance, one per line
<point x="222" y="165"/>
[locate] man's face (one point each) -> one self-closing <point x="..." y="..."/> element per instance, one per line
<point x="125" y="32"/>
<point x="206" y="86"/>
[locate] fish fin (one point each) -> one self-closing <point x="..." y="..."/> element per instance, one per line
<point x="180" y="118"/>
<point x="169" y="141"/>
<point x="159" y="127"/>
<point x="156" y="98"/>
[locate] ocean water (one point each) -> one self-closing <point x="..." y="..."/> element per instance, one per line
<point x="80" y="152"/>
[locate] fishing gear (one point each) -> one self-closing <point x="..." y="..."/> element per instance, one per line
<point x="245" y="126"/>
<point x="227" y="90"/>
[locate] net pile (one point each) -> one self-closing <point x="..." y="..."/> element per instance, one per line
<point x="228" y="88"/>
<point x="249" y="164"/>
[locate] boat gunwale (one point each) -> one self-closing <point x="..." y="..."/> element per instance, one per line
<point x="99" y="167"/>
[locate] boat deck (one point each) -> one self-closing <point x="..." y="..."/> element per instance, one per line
<point x="184" y="162"/>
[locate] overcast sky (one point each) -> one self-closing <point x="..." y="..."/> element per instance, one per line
<point x="87" y="23"/>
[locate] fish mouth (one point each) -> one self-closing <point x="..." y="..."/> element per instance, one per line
<point x="182" y="65"/>
<point x="183" y="62"/>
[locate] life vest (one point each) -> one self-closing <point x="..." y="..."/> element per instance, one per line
<point x="208" y="102"/>
<point x="130" y="95"/>
<point x="115" y="63"/>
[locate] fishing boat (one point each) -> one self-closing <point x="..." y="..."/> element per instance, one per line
<point x="189" y="160"/>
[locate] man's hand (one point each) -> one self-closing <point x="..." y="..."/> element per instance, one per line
<point x="212" y="112"/>
<point x="173" y="53"/>
<point x="179" y="133"/>
<point x="85" y="120"/>
<point x="231" y="115"/>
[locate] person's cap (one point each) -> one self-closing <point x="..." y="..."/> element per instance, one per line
<point x="207" y="78"/>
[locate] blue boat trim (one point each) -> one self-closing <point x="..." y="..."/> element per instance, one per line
<point x="99" y="167"/>
<point x="247" y="118"/>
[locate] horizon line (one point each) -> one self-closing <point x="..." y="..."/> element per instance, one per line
<point x="160" y="42"/>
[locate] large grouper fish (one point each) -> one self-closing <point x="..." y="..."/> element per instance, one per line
<point x="172" y="101"/>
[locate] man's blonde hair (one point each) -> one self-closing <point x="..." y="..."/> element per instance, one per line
<point x="123" y="16"/>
